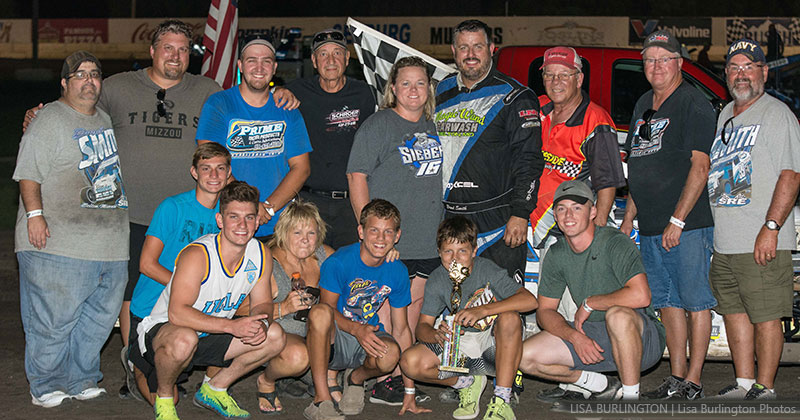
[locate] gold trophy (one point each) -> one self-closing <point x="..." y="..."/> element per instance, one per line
<point x="451" y="359"/>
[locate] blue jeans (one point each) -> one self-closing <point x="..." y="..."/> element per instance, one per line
<point x="678" y="278"/>
<point x="68" y="308"/>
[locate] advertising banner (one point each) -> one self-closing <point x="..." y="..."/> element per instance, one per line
<point x="72" y="31"/>
<point x="689" y="31"/>
<point x="757" y="28"/>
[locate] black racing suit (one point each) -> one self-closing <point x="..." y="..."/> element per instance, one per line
<point x="492" y="149"/>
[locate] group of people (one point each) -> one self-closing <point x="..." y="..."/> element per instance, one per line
<point x="282" y="253"/>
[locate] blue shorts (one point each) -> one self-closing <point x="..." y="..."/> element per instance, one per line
<point x="678" y="278"/>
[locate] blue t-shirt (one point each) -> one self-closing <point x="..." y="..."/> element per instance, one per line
<point x="361" y="288"/>
<point x="177" y="222"/>
<point x="261" y="140"/>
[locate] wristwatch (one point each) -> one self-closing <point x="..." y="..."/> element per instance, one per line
<point x="772" y="225"/>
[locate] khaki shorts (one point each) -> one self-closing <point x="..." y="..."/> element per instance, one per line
<point x="742" y="286"/>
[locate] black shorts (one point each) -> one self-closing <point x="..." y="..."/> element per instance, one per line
<point x="211" y="349"/>
<point x="138" y="233"/>
<point x="421" y="268"/>
<point x="338" y="215"/>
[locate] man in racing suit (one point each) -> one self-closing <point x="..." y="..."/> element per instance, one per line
<point x="489" y="127"/>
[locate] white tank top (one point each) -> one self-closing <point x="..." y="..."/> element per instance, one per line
<point x="221" y="292"/>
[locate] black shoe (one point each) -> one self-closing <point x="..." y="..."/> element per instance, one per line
<point x="556" y="394"/>
<point x="388" y="392"/>
<point x="123" y="392"/>
<point x="692" y="391"/>
<point x="422" y="396"/>
<point x="673" y="387"/>
<point x="613" y="391"/>
<point x="449" y="396"/>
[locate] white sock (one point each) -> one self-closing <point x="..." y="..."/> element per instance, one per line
<point x="464" y="381"/>
<point x="592" y="381"/>
<point x="630" y="392"/>
<point x="745" y="383"/>
<point x="206" y="379"/>
<point x="213" y="388"/>
<point x="164" y="398"/>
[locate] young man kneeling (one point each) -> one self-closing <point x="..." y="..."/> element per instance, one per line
<point x="489" y="314"/>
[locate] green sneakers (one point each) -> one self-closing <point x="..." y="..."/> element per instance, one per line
<point x="219" y="402"/>
<point x="468" y="407"/>
<point x="165" y="409"/>
<point x="499" y="410"/>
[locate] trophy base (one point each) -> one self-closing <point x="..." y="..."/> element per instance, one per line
<point x="454" y="369"/>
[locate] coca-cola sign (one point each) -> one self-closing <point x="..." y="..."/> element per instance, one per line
<point x="143" y="33"/>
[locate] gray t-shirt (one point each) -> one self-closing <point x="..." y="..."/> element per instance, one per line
<point x="486" y="283"/>
<point x="402" y="161"/>
<point x="74" y="158"/>
<point x="761" y="142"/>
<point x="156" y="152"/>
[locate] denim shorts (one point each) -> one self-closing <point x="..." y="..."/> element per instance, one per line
<point x="678" y="278"/>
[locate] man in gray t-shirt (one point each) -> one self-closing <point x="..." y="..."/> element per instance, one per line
<point x="752" y="186"/>
<point x="71" y="238"/>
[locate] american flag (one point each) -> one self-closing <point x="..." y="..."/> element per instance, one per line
<point x="378" y="53"/>
<point x="220" y="41"/>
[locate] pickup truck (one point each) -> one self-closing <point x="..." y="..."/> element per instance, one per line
<point x="613" y="77"/>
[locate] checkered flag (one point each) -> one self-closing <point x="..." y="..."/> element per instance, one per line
<point x="794" y="32"/>
<point x="378" y="53"/>
<point x="735" y="30"/>
<point x="570" y="169"/>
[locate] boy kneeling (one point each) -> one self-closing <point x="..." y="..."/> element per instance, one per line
<point x="489" y="314"/>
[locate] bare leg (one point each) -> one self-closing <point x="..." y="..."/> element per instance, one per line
<point x="374" y="367"/>
<point x="292" y="361"/>
<point x="246" y="357"/>
<point x="319" y="338"/>
<point x="769" y="346"/>
<point x="125" y="322"/>
<point x="741" y="334"/>
<point x="421" y="364"/>
<point x="674" y="320"/>
<point x="546" y="356"/>
<point x="700" y="328"/>
<point x="508" y="340"/>
<point x="174" y="347"/>
<point x="625" y="328"/>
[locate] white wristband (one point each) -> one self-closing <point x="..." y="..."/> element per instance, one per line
<point x="269" y="209"/>
<point x="677" y="222"/>
<point x="586" y="306"/>
<point x="410" y="391"/>
<point x="34" y="213"/>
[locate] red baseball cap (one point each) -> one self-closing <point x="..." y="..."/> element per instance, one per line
<point x="565" y="56"/>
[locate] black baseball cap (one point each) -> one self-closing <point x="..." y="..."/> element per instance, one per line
<point x="663" y="39"/>
<point x="574" y="190"/>
<point x="74" y="61"/>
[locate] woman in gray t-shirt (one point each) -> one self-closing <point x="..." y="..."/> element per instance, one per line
<point x="397" y="156"/>
<point x="296" y="248"/>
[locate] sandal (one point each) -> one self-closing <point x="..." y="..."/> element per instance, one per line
<point x="270" y="397"/>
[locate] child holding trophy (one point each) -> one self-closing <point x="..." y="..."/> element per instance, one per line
<point x="484" y="305"/>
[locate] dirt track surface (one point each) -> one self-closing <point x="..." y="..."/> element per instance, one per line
<point x="15" y="401"/>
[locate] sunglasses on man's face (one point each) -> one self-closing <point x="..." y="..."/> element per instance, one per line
<point x="324" y="36"/>
<point x="645" y="132"/>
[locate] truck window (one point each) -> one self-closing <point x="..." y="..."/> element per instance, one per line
<point x="627" y="85"/>
<point x="535" y="76"/>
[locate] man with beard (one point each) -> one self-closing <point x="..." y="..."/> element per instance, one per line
<point x="333" y="107"/>
<point x="489" y="127"/>
<point x="668" y="143"/>
<point x="753" y="183"/>
<point x="269" y="146"/>
<point x="71" y="238"/>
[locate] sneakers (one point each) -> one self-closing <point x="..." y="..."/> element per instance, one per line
<point x="468" y="406"/>
<point x="760" y="392"/>
<point x="324" y="411"/>
<point x="612" y="392"/>
<point x="89" y="393"/>
<point x="352" y="402"/>
<point x="671" y="387"/>
<point x="499" y="410"/>
<point x="130" y="379"/>
<point x="388" y="392"/>
<point x="731" y="392"/>
<point x="559" y="394"/>
<point x="448" y="396"/>
<point x="692" y="391"/>
<point x="51" y="399"/>
<point x="165" y="409"/>
<point x="219" y="401"/>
